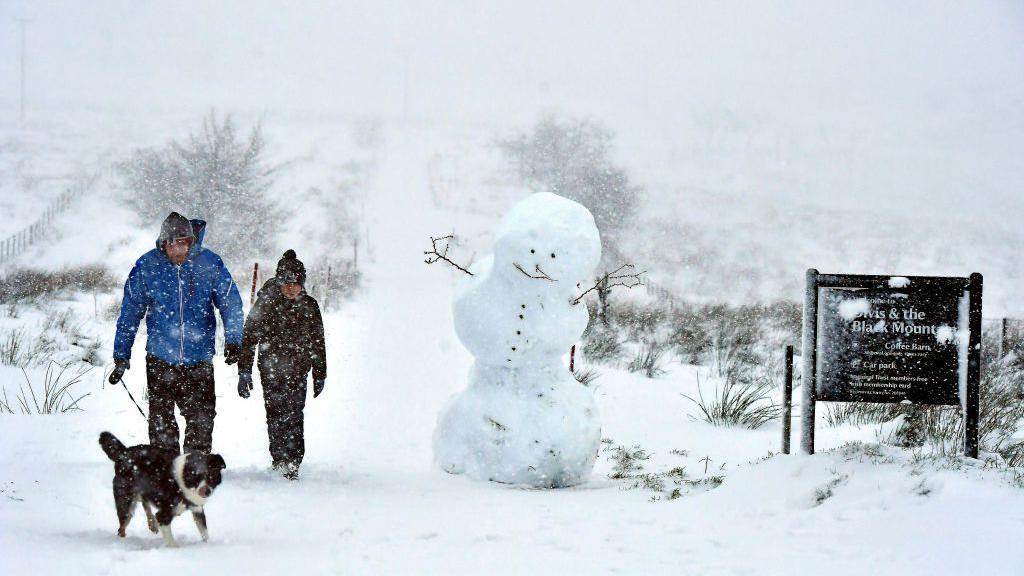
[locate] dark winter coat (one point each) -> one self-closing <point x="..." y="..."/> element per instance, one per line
<point x="178" y="303"/>
<point x="289" y="333"/>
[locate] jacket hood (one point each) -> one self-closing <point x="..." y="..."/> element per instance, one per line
<point x="199" y="230"/>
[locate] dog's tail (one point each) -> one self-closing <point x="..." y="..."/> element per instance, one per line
<point x="113" y="447"/>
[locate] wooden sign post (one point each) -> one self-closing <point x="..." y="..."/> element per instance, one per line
<point x="892" y="339"/>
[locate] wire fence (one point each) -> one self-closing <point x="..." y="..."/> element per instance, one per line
<point x="16" y="244"/>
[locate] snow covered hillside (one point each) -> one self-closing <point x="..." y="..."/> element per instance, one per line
<point x="370" y="500"/>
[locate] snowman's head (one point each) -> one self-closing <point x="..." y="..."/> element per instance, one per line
<point x="550" y="238"/>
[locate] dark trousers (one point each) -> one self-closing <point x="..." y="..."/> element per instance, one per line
<point x="284" y="396"/>
<point x="191" y="389"/>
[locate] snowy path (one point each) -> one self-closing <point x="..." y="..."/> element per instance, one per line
<point x="370" y="501"/>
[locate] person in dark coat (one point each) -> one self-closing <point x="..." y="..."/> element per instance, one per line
<point x="175" y="287"/>
<point x="286" y="326"/>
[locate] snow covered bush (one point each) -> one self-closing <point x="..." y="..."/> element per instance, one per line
<point x="11" y="346"/>
<point x="941" y="428"/>
<point x="628" y="467"/>
<point x="19" y="348"/>
<point x="736" y="399"/>
<point x="216" y="175"/>
<point x="586" y="376"/>
<point x="29" y="285"/>
<point x="54" y="397"/>
<point x="648" y="359"/>
<point x="601" y="345"/>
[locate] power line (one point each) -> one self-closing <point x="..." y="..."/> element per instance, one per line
<point x="24" y="24"/>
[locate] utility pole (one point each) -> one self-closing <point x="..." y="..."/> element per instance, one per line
<point x="24" y="23"/>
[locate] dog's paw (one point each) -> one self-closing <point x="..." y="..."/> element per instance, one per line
<point x="206" y="537"/>
<point x="120" y="532"/>
<point x="153" y="527"/>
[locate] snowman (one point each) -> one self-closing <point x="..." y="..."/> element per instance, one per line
<point x="524" y="419"/>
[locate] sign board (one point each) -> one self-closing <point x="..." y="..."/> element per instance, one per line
<point x="890" y="345"/>
<point x="899" y="339"/>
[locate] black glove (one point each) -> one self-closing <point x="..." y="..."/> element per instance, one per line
<point x="231" y="352"/>
<point x="120" y="365"/>
<point x="244" y="384"/>
<point x="318" y="387"/>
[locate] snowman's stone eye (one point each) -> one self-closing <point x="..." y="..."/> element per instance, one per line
<point x="552" y="254"/>
<point x="532" y="251"/>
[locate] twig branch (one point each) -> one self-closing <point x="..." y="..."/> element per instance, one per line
<point x="541" y="275"/>
<point x="621" y="276"/>
<point x="433" y="255"/>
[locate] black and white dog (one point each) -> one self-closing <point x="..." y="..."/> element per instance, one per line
<point x="161" y="479"/>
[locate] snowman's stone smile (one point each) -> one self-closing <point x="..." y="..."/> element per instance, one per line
<point x="541" y="274"/>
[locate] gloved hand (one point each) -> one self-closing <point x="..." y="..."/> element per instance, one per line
<point x="318" y="387"/>
<point x="231" y="352"/>
<point x="120" y="365"/>
<point x="244" y="384"/>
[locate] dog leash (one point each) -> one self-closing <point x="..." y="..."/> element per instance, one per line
<point x="125" y="386"/>
<point x="139" y="408"/>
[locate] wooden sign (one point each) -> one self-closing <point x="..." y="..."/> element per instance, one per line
<point x="892" y="339"/>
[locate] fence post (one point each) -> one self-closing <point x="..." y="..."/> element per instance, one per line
<point x="787" y="400"/>
<point x="1002" y="339"/>
<point x="252" y="292"/>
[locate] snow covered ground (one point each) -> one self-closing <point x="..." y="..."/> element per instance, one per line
<point x="370" y="501"/>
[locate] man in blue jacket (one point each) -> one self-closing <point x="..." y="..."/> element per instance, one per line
<point x="175" y="286"/>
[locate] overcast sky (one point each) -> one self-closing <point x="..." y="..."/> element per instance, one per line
<point x="496" y="58"/>
<point x="952" y="73"/>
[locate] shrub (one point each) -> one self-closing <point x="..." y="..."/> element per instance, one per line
<point x="639" y="321"/>
<point x="648" y="360"/>
<point x="586" y="377"/>
<point x="628" y="466"/>
<point x="1001" y="415"/>
<point x="11" y="347"/>
<point x="627" y="461"/>
<point x="55" y="397"/>
<point x="29" y="285"/>
<point x="601" y="345"/>
<point x="736" y="401"/>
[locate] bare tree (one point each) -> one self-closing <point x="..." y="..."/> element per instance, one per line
<point x="571" y="157"/>
<point x="216" y="175"/>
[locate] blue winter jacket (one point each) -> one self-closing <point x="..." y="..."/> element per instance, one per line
<point x="178" y="302"/>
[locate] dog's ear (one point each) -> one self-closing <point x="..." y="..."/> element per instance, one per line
<point x="215" y="461"/>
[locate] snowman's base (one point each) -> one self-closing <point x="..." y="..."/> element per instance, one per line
<point x="536" y="428"/>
